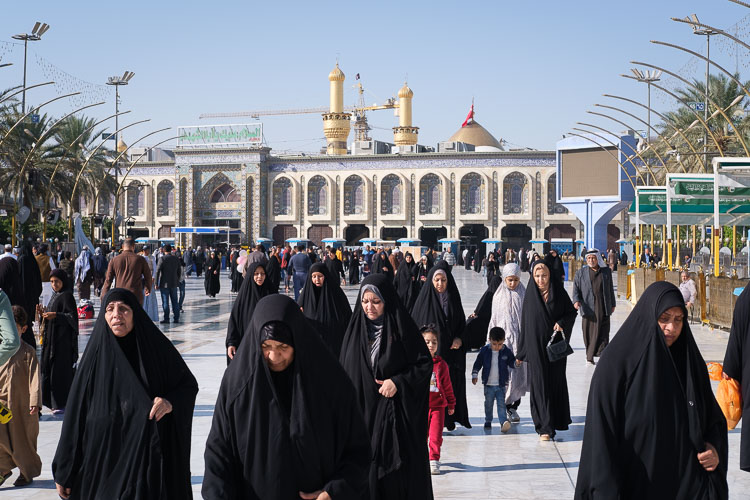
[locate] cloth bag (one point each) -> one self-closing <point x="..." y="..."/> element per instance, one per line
<point x="730" y="400"/>
<point x="557" y="350"/>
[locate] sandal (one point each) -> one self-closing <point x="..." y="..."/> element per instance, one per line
<point x="4" y="477"/>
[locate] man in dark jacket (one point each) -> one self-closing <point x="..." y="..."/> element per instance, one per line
<point x="168" y="282"/>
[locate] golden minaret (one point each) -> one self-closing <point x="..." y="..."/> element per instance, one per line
<point x="336" y="123"/>
<point x="405" y="134"/>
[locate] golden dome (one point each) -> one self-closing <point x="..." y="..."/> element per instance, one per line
<point x="405" y="92"/>
<point x="478" y="136"/>
<point x="121" y="146"/>
<point x="336" y="75"/>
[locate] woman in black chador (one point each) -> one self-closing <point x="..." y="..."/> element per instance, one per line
<point x="653" y="426"/>
<point x="405" y="281"/>
<point x="354" y="269"/>
<point x="381" y="265"/>
<point x="128" y="422"/>
<point x="439" y="302"/>
<point x="546" y="308"/>
<point x="254" y="287"/>
<point x="213" y="272"/>
<point x="60" y="347"/>
<point x="235" y="275"/>
<point x="324" y="302"/>
<point x="286" y="423"/>
<point x="390" y="366"/>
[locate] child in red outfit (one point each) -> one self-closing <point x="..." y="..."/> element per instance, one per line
<point x="441" y="397"/>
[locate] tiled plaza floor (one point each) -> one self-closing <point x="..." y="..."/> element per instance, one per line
<point x="476" y="465"/>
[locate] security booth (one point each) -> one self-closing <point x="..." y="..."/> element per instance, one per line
<point x="493" y="244"/>
<point x="450" y="244"/>
<point x="166" y="241"/>
<point x="538" y="245"/>
<point x="219" y="236"/>
<point x="266" y="242"/>
<point x="297" y="242"/>
<point x="364" y="242"/>
<point x="152" y="243"/>
<point x="334" y="243"/>
<point x="579" y="246"/>
<point x="412" y="246"/>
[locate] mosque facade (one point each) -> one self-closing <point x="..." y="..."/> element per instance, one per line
<point x="470" y="189"/>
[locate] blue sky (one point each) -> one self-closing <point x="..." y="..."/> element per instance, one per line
<point x="532" y="68"/>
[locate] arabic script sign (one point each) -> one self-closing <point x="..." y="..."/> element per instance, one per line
<point x="246" y="135"/>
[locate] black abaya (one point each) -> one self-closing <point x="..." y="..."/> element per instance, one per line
<point x="213" y="273"/>
<point x="235" y="274"/>
<point x="381" y="265"/>
<point x="405" y="284"/>
<point x="399" y="468"/>
<point x="650" y="412"/>
<point x="273" y="273"/>
<point x="32" y="288"/>
<point x="737" y="366"/>
<point x="327" y="305"/>
<point x="59" y="348"/>
<point x="476" y="327"/>
<point x="244" y="306"/>
<point x="275" y="434"/>
<point x="109" y="448"/>
<point x="354" y="270"/>
<point x="548" y="385"/>
<point x="451" y="325"/>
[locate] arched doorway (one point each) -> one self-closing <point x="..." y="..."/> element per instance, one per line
<point x="283" y="232"/>
<point x="613" y="234"/>
<point x="355" y="232"/>
<point x="392" y="233"/>
<point x="516" y="236"/>
<point x="431" y="235"/>
<point x="559" y="231"/>
<point x="317" y="232"/>
<point x="471" y="236"/>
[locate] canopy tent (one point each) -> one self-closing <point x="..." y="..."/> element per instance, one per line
<point x="448" y="240"/>
<point x="368" y="241"/>
<point x="409" y="241"/>
<point x="492" y="240"/>
<point x="206" y="230"/>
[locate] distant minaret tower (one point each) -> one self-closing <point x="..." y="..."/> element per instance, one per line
<point x="336" y="123"/>
<point x="405" y="134"/>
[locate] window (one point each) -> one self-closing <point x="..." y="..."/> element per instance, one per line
<point x="282" y="196"/>
<point x="390" y="195"/>
<point x="472" y="194"/>
<point x="317" y="196"/>
<point x="429" y="194"/>
<point x="165" y="198"/>
<point x="552" y="206"/>
<point x="225" y="194"/>
<point x="354" y="195"/>
<point x="515" y="194"/>
<point x="136" y="199"/>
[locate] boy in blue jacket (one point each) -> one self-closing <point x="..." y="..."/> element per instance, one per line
<point x="495" y="360"/>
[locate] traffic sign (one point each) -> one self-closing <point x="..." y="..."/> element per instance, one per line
<point x="106" y="136"/>
<point x="697" y="106"/>
<point x="35" y="118"/>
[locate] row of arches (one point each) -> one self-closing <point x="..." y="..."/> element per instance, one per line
<point x="473" y="195"/>
<point x="136" y="199"/>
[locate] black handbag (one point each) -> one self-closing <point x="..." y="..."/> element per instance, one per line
<point x="560" y="349"/>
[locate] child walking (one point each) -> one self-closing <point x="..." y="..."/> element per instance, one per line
<point x="20" y="390"/>
<point x="441" y="397"/>
<point x="495" y="360"/>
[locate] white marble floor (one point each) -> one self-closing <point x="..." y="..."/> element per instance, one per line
<point x="476" y="464"/>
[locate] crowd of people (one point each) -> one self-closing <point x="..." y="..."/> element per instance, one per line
<point x="322" y="401"/>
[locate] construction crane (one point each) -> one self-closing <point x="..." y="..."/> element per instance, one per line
<point x="359" y="113"/>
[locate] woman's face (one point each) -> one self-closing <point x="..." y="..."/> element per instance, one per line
<point x="372" y="305"/>
<point x="512" y="282"/>
<point x="318" y="278"/>
<point x="670" y="323"/>
<point x="409" y="259"/>
<point x="440" y="282"/>
<point x="119" y="317"/>
<point x="541" y="277"/>
<point x="56" y="283"/>
<point x="423" y="260"/>
<point x="278" y="355"/>
<point x="259" y="276"/>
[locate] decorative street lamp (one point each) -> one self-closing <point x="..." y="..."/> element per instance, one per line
<point x="35" y="35"/>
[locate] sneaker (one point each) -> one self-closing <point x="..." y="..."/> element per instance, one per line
<point x="434" y="467"/>
<point x="505" y="427"/>
<point x="513" y="416"/>
<point x="164" y="322"/>
<point x="488" y="425"/>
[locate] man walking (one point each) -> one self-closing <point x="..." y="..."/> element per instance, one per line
<point x="129" y="271"/>
<point x="188" y="259"/>
<point x="168" y="272"/>
<point x="300" y="264"/>
<point x="594" y="298"/>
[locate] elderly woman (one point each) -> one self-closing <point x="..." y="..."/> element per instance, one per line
<point x="653" y="426"/>
<point x="390" y="366"/>
<point x="60" y="342"/>
<point x="507" y="306"/>
<point x="286" y="423"/>
<point x="439" y="302"/>
<point x="127" y="427"/>
<point x="325" y="304"/>
<point x="546" y="309"/>
<point x="253" y="288"/>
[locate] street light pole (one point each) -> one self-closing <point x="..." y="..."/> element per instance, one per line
<point x="116" y="81"/>
<point x="707" y="32"/>
<point x="35" y="35"/>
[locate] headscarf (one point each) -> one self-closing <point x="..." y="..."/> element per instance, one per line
<point x="381" y="265"/>
<point x="443" y="309"/>
<point x="243" y="308"/>
<point x="650" y="411"/>
<point x="405" y="283"/>
<point x="476" y="327"/>
<point x="327" y="306"/>
<point x="58" y="273"/>
<point x="108" y="447"/>
<point x="599" y="259"/>
<point x="397" y="425"/>
<point x="83" y="264"/>
<point x="257" y="450"/>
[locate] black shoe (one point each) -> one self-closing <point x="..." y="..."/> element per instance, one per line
<point x="164" y="322"/>
<point x="451" y="426"/>
<point x="176" y="320"/>
<point x="488" y="425"/>
<point x="22" y="481"/>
